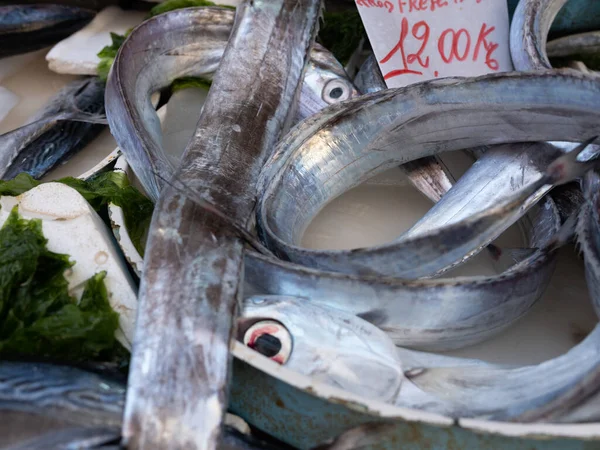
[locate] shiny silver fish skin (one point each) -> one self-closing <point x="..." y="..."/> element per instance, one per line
<point x="529" y="30"/>
<point x="83" y="437"/>
<point x="325" y="83"/>
<point x="26" y="28"/>
<point x="47" y="406"/>
<point x="588" y="235"/>
<point x="68" y="394"/>
<point x="402" y="307"/>
<point x="429" y="175"/>
<point x="498" y="173"/>
<point x="66" y="124"/>
<point x="329" y="345"/>
<point x="529" y="33"/>
<point x="183" y="43"/>
<point x="194" y="260"/>
<point x="470" y="309"/>
<point x="521" y="394"/>
<point x="328" y="154"/>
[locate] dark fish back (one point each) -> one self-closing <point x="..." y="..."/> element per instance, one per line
<point x="26" y="28"/>
<point x="58" y="143"/>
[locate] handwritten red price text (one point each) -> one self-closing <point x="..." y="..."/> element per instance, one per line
<point x="410" y="5"/>
<point x="453" y="45"/>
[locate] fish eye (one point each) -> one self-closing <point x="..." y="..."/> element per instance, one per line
<point x="271" y="339"/>
<point x="335" y="91"/>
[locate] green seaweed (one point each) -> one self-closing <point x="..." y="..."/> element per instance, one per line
<point x="104" y="188"/>
<point x="190" y="82"/>
<point x="341" y="33"/>
<point x="38" y="317"/>
<point x="108" y="54"/>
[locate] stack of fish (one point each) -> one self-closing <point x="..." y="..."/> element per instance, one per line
<point x="283" y="131"/>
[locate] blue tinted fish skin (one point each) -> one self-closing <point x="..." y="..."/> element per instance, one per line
<point x="62" y="407"/>
<point x="588" y="235"/>
<point x="26" y="28"/>
<point x="68" y="122"/>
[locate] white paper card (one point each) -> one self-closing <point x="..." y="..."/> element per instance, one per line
<point x="417" y="40"/>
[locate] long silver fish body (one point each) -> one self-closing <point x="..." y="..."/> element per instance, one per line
<point x="191" y="42"/>
<point x="499" y="173"/>
<point x="66" y="124"/>
<point x="333" y="346"/>
<point x="47" y="406"/>
<point x="69" y="394"/>
<point x="475" y="308"/>
<point x="327" y="344"/>
<point x="588" y="235"/>
<point x="194" y="259"/>
<point x="469" y="309"/>
<point x="529" y="33"/>
<point x="429" y="175"/>
<point x="345" y="351"/>
<point x="348" y="143"/>
<point x="532" y="393"/>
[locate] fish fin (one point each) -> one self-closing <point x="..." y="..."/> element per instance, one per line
<point x="81" y="116"/>
<point x="573" y="164"/>
<point x="504" y="258"/>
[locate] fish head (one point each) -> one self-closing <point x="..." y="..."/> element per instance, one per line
<point x="329" y="345"/>
<point x="325" y="83"/>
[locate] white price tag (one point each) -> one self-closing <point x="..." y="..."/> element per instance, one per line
<point x="416" y="40"/>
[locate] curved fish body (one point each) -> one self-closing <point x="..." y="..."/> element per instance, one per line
<point x="68" y="122"/>
<point x="191" y="43"/>
<point x="45" y="406"/>
<point x="71" y="395"/>
<point x="26" y="28"/>
<point x="529" y="30"/>
<point x="532" y="393"/>
<point x="499" y="173"/>
<point x="529" y="33"/>
<point x="346" y="144"/>
<point x="469" y="309"/>
<point x="193" y="261"/>
<point x="588" y="235"/>
<point x="343" y="350"/>
<point x="576" y="16"/>
<point x="474" y="308"/>
<point x="429" y="175"/>
<point x="327" y="344"/>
